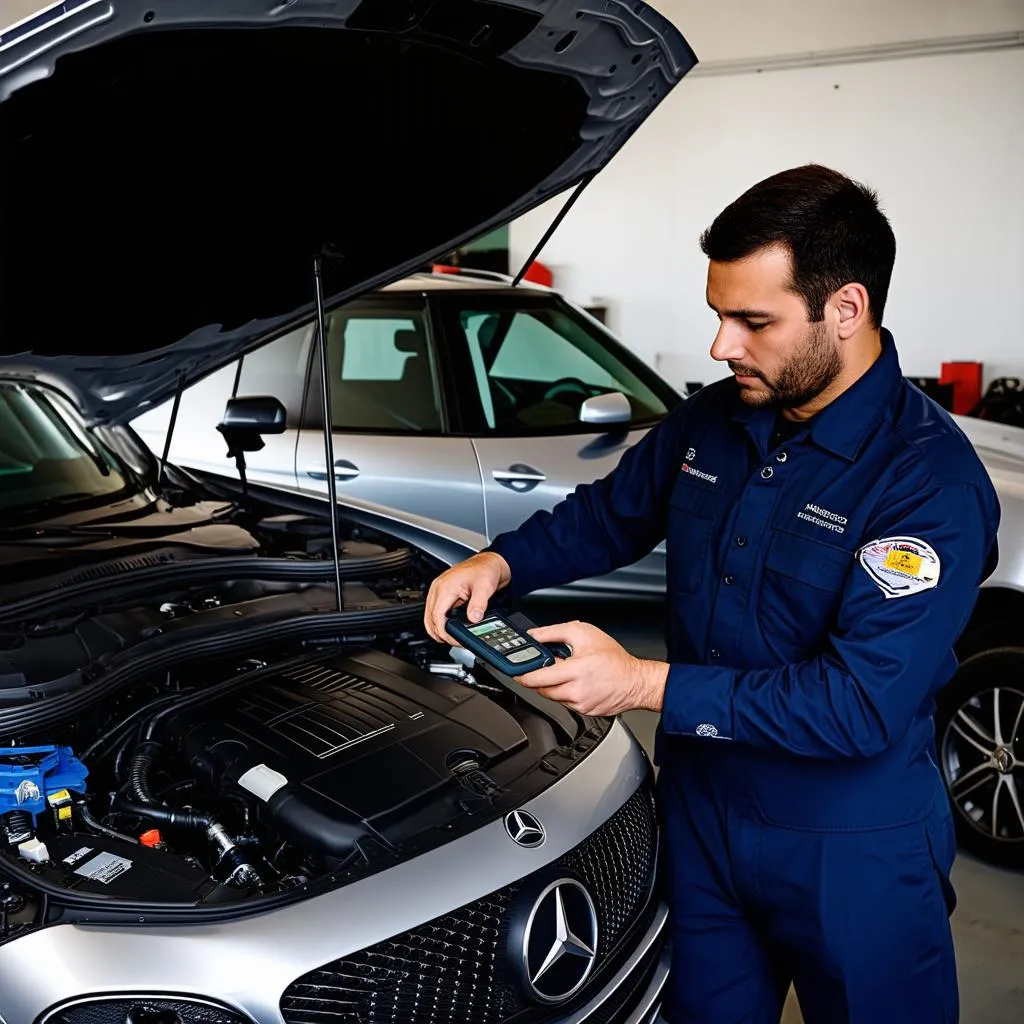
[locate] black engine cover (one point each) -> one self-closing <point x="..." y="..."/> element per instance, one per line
<point x="338" y="748"/>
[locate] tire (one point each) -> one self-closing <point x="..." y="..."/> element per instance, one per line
<point x="979" y="738"/>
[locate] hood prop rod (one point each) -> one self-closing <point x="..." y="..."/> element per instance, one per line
<point x="170" y="429"/>
<point x="325" y="400"/>
<point x="546" y="237"/>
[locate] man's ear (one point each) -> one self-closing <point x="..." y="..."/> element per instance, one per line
<point x="852" y="309"/>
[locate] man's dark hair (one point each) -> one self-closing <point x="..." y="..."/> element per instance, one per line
<point x="832" y="226"/>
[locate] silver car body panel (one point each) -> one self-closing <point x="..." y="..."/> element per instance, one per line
<point x="436" y="477"/>
<point x="260" y="956"/>
<point x="522" y="475"/>
<point x="1001" y="449"/>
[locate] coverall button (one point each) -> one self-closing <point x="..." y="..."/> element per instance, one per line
<point x="729" y="580"/>
<point x="767" y="472"/>
<point x="741" y="542"/>
<point x="715" y="652"/>
<point x="782" y="456"/>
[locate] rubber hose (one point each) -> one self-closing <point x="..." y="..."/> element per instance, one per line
<point x="165" y="815"/>
<point x="97" y="826"/>
<point x="138" y="777"/>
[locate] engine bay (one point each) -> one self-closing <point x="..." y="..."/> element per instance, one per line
<point x="181" y="734"/>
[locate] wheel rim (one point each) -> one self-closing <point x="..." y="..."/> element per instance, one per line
<point x="983" y="761"/>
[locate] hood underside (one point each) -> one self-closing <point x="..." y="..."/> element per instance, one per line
<point x="171" y="169"/>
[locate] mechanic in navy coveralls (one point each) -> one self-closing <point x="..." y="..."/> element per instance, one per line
<point x="827" y="529"/>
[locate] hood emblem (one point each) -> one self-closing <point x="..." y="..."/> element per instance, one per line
<point x="524" y="829"/>
<point x="560" y="942"/>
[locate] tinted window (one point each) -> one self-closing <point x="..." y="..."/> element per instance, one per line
<point x="382" y="371"/>
<point x="47" y="458"/>
<point x="536" y="366"/>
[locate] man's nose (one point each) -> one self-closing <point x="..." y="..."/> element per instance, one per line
<point x="728" y="344"/>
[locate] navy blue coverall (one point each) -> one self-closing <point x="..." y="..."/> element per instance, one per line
<point x="814" y="593"/>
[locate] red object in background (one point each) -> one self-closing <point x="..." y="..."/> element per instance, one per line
<point x="539" y="274"/>
<point x="150" y="838"/>
<point x="966" y="380"/>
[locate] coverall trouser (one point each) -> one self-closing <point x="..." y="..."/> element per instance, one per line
<point x="857" y="921"/>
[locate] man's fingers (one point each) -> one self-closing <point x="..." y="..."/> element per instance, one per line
<point x="575" y="634"/>
<point x="554" y="675"/>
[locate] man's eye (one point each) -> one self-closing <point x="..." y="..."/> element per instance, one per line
<point x="753" y="326"/>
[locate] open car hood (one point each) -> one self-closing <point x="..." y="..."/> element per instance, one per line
<point x="172" y="167"/>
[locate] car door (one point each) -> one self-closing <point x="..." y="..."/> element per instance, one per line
<point x="391" y="424"/>
<point x="535" y="360"/>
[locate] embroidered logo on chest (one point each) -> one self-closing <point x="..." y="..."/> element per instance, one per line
<point x="823" y="517"/>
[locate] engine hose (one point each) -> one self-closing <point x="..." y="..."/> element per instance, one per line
<point x="138" y="777"/>
<point x="96" y="826"/>
<point x="166" y="815"/>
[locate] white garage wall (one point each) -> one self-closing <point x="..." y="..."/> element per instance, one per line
<point x="940" y="137"/>
<point x="731" y="29"/>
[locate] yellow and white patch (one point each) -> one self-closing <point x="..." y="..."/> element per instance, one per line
<point x="900" y="566"/>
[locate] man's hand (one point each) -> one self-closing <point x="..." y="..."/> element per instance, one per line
<point x="601" y="677"/>
<point x="472" y="582"/>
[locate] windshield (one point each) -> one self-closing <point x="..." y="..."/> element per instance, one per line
<point x="47" y="458"/>
<point x="535" y="364"/>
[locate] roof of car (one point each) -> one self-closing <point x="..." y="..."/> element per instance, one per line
<point x="459" y="279"/>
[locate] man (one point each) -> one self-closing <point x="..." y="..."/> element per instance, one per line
<point x="827" y="528"/>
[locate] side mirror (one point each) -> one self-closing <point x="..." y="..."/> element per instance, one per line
<point x="606" y="410"/>
<point x="259" y="414"/>
<point x="245" y="421"/>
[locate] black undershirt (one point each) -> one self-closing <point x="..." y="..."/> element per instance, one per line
<point x="784" y="430"/>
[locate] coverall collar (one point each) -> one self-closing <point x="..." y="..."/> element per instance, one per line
<point x="843" y="425"/>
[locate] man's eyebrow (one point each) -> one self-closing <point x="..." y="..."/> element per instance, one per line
<point x="743" y="314"/>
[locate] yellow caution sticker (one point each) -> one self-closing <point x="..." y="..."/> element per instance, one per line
<point x="904" y="561"/>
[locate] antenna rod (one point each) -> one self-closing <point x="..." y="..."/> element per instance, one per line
<point x="552" y="229"/>
<point x="325" y="398"/>
<point x="170" y="429"/>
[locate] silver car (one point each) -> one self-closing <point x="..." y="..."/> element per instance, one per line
<point x="239" y="784"/>
<point x="455" y="396"/>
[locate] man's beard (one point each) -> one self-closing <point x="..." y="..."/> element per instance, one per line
<point x="802" y="378"/>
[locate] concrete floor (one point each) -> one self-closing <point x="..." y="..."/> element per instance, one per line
<point x="988" y="924"/>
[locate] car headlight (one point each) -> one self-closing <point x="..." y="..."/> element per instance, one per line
<point x="141" y="1009"/>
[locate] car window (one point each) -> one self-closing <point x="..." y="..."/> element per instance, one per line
<point x="535" y="367"/>
<point x="279" y="369"/>
<point x="47" y="458"/>
<point x="382" y="371"/>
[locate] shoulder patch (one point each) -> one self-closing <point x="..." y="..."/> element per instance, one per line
<point x="900" y="566"/>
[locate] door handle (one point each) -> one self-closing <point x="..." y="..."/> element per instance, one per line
<point x="526" y="476"/>
<point x="343" y="470"/>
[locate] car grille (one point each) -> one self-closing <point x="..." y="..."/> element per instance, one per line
<point x="452" y="970"/>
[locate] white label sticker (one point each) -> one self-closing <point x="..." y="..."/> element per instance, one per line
<point x="75" y="857"/>
<point x="104" y="868"/>
<point x="262" y="781"/>
<point x="900" y="566"/>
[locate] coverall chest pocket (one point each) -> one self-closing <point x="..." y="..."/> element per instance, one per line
<point x="800" y="591"/>
<point x="693" y="509"/>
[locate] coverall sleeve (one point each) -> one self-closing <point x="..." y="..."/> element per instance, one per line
<point x="603" y="525"/>
<point x="884" y="658"/>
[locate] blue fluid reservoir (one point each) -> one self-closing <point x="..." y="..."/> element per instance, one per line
<point x="28" y="775"/>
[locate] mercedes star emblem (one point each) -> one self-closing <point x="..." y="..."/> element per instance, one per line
<point x="525" y="829"/>
<point x="560" y="941"/>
